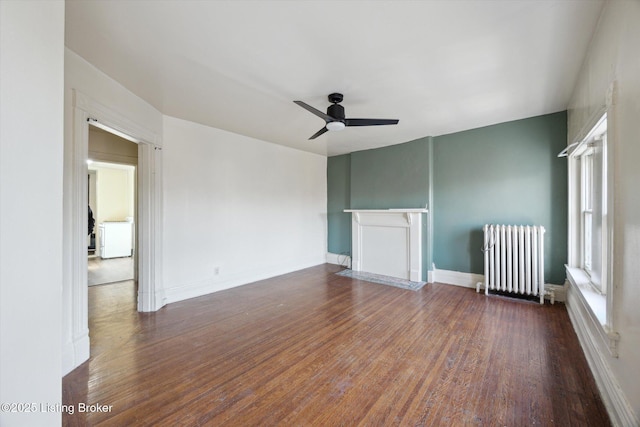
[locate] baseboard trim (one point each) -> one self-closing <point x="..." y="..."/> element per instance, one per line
<point x="221" y="283"/>
<point x="339" y="259"/>
<point x="597" y="347"/>
<point x="470" y="280"/>
<point x="457" y="278"/>
<point x="75" y="353"/>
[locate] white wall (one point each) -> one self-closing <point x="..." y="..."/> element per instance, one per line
<point x="114" y="193"/>
<point x="249" y="208"/>
<point x="31" y="114"/>
<point x="83" y="76"/>
<point x="614" y="56"/>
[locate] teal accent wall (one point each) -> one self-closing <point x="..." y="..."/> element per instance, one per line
<point x="391" y="177"/>
<point x="504" y="174"/>
<point x="338" y="199"/>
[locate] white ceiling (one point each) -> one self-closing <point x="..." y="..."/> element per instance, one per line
<point x="437" y="66"/>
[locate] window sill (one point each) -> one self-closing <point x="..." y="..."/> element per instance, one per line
<point x="588" y="308"/>
<point x="596" y="301"/>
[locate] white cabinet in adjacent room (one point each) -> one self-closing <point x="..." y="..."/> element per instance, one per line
<point x="115" y="239"/>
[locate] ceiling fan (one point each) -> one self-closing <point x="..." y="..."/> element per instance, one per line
<point x="335" y="117"/>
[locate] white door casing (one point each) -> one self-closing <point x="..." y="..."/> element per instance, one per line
<point x="150" y="288"/>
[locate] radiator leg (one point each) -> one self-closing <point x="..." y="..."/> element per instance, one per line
<point x="552" y="296"/>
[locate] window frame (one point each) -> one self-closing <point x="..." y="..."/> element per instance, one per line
<point x="592" y="312"/>
<point x="581" y="205"/>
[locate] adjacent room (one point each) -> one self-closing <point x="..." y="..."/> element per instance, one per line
<point x="111" y="165"/>
<point x="320" y="213"/>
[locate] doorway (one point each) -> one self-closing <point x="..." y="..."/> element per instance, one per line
<point x="88" y="113"/>
<point x="112" y="188"/>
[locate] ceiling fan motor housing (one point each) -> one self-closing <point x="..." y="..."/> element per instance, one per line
<point x="336" y="111"/>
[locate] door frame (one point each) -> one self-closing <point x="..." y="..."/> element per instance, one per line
<point x="150" y="289"/>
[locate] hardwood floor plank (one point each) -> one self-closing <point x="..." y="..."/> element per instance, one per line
<point x="314" y="348"/>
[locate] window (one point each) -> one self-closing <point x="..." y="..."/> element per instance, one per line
<point x="590" y="223"/>
<point x="590" y="290"/>
<point x="590" y="164"/>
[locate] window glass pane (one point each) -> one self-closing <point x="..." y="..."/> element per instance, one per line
<point x="587" y="244"/>
<point x="588" y="181"/>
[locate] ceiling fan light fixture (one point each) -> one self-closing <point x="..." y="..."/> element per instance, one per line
<point x="335" y="126"/>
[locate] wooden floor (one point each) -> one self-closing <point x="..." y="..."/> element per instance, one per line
<point x="102" y="271"/>
<point x="314" y="348"/>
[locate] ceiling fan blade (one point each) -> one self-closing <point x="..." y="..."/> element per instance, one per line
<point x="315" y="111"/>
<point x="320" y="132"/>
<point x="370" y="122"/>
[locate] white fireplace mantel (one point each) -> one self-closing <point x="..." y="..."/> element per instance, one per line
<point x="387" y="242"/>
